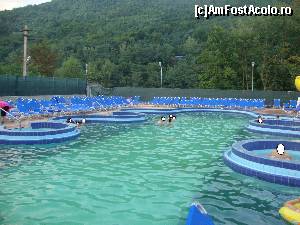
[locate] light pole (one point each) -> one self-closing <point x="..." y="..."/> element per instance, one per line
<point x="160" y="64"/>
<point x="27" y="63"/>
<point x="86" y="80"/>
<point x="253" y="64"/>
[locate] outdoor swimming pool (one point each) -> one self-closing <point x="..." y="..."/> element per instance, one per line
<point x="138" y="174"/>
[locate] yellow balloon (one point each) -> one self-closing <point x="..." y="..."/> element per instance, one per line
<point x="297" y="83"/>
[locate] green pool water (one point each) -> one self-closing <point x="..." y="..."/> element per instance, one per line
<point x="137" y="175"/>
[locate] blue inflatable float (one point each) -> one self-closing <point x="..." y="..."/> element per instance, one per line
<point x="198" y="216"/>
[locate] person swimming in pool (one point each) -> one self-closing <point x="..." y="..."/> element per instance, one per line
<point x="80" y="122"/>
<point x="77" y="122"/>
<point x="161" y="121"/>
<point x="280" y="153"/>
<point x="70" y="120"/>
<point x="260" y="120"/>
<point x="170" y="118"/>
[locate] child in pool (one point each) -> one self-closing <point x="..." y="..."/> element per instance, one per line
<point x="80" y="122"/>
<point x="161" y="121"/>
<point x="280" y="153"/>
<point x="70" y="120"/>
<point x="77" y="122"/>
<point x="171" y="119"/>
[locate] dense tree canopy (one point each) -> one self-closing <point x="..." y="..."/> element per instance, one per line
<point x="123" y="41"/>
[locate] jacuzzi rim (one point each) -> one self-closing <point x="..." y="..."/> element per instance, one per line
<point x="36" y="132"/>
<point x="89" y="116"/>
<point x="105" y="119"/>
<point x="56" y="140"/>
<point x="239" y="149"/>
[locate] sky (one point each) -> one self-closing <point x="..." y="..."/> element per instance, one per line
<point x="10" y="4"/>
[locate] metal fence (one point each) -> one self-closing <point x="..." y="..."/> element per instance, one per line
<point x="34" y="85"/>
<point x="97" y="89"/>
<point x="149" y="93"/>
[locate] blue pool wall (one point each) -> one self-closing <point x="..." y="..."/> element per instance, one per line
<point x="41" y="141"/>
<point x="38" y="125"/>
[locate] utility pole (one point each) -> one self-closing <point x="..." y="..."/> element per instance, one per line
<point x="25" y="60"/>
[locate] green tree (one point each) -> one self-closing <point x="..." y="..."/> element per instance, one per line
<point x="191" y="46"/>
<point x="217" y="61"/>
<point x="106" y="72"/>
<point x="102" y="71"/>
<point x="71" y="68"/>
<point x="181" y="75"/>
<point x="13" y="64"/>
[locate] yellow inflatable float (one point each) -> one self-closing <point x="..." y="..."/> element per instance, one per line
<point x="291" y="211"/>
<point x="297" y="83"/>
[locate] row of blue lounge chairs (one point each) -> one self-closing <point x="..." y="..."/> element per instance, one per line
<point x="209" y="102"/>
<point x="59" y="104"/>
<point x="76" y="104"/>
<point x="291" y="105"/>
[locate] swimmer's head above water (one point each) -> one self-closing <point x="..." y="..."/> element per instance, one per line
<point x="280" y="149"/>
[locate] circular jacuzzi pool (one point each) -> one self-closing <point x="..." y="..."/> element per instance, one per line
<point x="116" y="117"/>
<point x="252" y="158"/>
<point x="39" y="133"/>
<point x="289" y="128"/>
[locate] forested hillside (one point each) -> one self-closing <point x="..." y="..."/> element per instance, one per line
<point x="123" y="41"/>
